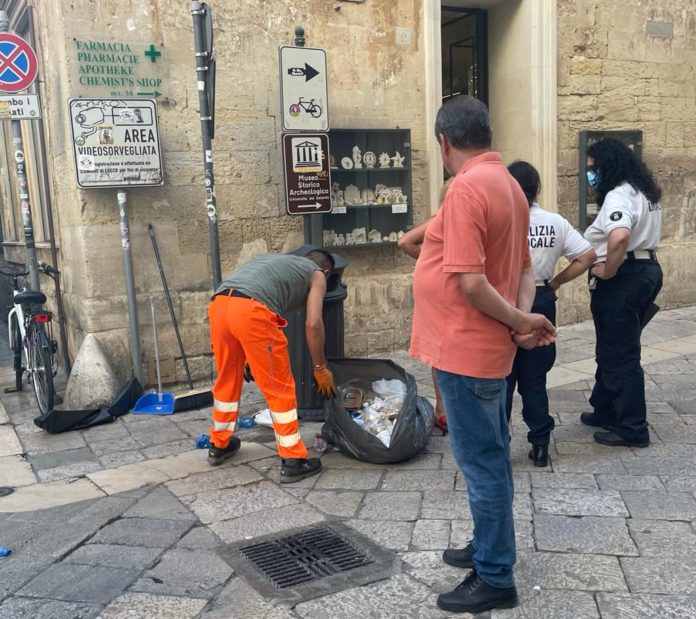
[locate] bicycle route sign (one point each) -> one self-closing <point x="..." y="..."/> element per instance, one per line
<point x="116" y="142"/>
<point x="304" y="95"/>
<point x="18" y="64"/>
<point x="307" y="174"/>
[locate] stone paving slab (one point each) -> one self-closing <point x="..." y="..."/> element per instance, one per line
<point x="624" y="606"/>
<point x="394" y="535"/>
<point x="188" y="573"/>
<point x="15" y="471"/>
<point x="109" y="555"/>
<point x="240" y="601"/>
<point x="587" y="534"/>
<point x="130" y="605"/>
<point x="148" y="532"/>
<point x="578" y="502"/>
<point x="551" y="605"/>
<point x="335" y="503"/>
<point x="391" y="506"/>
<point x="660" y="575"/>
<point x="660" y="504"/>
<point x="30" y="608"/>
<point x="80" y="583"/>
<point x="656" y="538"/>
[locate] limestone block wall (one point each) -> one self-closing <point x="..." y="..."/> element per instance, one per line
<point x="632" y="67"/>
<point x="373" y="82"/>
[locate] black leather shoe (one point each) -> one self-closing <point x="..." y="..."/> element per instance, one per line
<point x="217" y="455"/>
<point x="460" y="557"/>
<point x="614" y="440"/>
<point x="474" y="595"/>
<point x="540" y="455"/>
<point x="594" y="420"/>
<point x="294" y="469"/>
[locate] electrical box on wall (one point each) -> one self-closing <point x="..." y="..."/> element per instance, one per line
<point x="586" y="201"/>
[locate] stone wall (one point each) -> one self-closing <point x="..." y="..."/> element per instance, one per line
<point x="625" y="68"/>
<point x="373" y="83"/>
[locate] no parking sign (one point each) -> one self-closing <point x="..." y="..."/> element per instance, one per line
<point x="18" y="64"/>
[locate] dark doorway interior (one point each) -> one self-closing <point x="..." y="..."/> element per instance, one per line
<point x="464" y="53"/>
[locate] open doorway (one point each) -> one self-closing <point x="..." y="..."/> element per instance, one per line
<point x="464" y="43"/>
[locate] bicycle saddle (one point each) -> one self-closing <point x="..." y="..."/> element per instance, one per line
<point x="30" y="296"/>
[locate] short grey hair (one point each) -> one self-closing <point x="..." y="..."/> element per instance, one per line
<point x="465" y="122"/>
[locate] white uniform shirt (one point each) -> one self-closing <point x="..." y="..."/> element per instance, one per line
<point x="625" y="207"/>
<point x="550" y="237"/>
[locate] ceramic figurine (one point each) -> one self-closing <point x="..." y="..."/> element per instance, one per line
<point x="385" y="238"/>
<point x="393" y="237"/>
<point x="347" y="163"/>
<point x="367" y="196"/>
<point x="384" y="160"/>
<point x="328" y="238"/>
<point x="370" y="159"/>
<point x="337" y="196"/>
<point x="400" y="234"/>
<point x="375" y="236"/>
<point x="339" y="240"/>
<point x="350" y="239"/>
<point x="357" y="157"/>
<point x="398" y="160"/>
<point x="360" y="235"/>
<point x="351" y="195"/>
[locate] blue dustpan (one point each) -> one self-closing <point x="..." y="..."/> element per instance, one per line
<point x="155" y="403"/>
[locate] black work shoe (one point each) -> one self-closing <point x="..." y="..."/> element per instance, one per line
<point x="614" y="440"/>
<point x="217" y="455"/>
<point x="474" y="595"/>
<point x="594" y="420"/>
<point x="294" y="469"/>
<point x="460" y="557"/>
<point x="540" y="455"/>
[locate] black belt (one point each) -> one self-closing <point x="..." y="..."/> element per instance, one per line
<point x="631" y="255"/>
<point x="232" y="293"/>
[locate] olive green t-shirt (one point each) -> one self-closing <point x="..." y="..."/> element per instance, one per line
<point x="279" y="281"/>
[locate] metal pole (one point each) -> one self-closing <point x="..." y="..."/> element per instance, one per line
<point x="52" y="240"/>
<point x="200" y="13"/>
<point x="23" y="188"/>
<point x="130" y="285"/>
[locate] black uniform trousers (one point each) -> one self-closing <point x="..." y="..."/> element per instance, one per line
<point x="529" y="374"/>
<point x="620" y="309"/>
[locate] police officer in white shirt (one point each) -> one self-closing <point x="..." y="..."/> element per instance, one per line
<point x="550" y="237"/>
<point x="624" y="284"/>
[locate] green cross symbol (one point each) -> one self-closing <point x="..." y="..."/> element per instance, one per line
<point x="152" y="52"/>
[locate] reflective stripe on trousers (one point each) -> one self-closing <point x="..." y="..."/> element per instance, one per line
<point x="244" y="330"/>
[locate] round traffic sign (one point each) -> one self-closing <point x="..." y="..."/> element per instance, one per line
<point x="18" y="64"/>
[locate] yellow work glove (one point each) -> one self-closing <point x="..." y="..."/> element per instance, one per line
<point x="325" y="382"/>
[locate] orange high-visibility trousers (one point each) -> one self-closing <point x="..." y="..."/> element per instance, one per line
<point x="244" y="330"/>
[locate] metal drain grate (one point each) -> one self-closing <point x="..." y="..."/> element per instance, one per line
<point x="303" y="557"/>
<point x="309" y="562"/>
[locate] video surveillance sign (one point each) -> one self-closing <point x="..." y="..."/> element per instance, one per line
<point x="116" y="142"/>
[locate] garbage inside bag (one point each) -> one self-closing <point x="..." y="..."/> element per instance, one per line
<point x="263" y="418"/>
<point x="394" y="423"/>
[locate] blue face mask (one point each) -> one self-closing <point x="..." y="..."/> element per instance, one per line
<point x="593" y="179"/>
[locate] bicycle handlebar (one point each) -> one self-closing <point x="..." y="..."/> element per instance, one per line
<point x="13" y="273"/>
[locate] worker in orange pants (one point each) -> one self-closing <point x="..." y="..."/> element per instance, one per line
<point x="246" y="328"/>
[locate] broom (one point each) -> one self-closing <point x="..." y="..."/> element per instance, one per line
<point x="192" y="398"/>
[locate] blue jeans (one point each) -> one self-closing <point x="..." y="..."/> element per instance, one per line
<point x="479" y="435"/>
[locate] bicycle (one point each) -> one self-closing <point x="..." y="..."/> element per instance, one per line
<point x="31" y="338"/>
<point x="308" y="106"/>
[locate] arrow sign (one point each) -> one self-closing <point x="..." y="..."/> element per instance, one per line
<point x="309" y="72"/>
<point x="149" y="94"/>
<point x="315" y="205"/>
<point x="307" y="174"/>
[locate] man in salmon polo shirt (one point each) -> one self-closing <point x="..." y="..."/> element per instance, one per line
<point x="473" y="289"/>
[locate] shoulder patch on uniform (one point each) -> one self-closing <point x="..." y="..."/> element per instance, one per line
<point x="616" y="215"/>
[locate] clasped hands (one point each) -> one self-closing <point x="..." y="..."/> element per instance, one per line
<point x="538" y="331"/>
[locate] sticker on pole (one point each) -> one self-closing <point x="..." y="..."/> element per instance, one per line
<point x="116" y="142"/>
<point x="304" y="95"/>
<point x="18" y="64"/>
<point x="307" y="174"/>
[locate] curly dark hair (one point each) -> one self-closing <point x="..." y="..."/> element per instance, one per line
<point x="616" y="163"/>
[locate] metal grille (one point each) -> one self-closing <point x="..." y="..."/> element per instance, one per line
<point x="304" y="557"/>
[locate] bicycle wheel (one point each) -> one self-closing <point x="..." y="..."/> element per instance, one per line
<point x="17" y="352"/>
<point x="41" y="367"/>
<point x="315" y="111"/>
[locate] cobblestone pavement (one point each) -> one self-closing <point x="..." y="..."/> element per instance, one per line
<point x="125" y="520"/>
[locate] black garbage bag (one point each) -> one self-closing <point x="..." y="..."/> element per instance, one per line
<point x="411" y="429"/>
